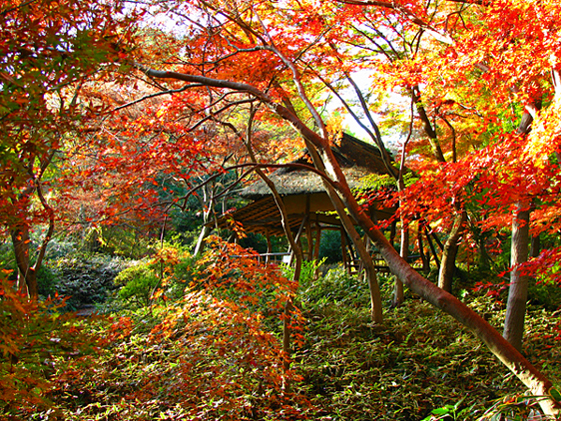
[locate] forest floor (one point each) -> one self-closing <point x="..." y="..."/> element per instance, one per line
<point x="206" y="357"/>
<point x="419" y="361"/>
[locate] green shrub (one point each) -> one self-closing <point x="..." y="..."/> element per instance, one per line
<point x="546" y="295"/>
<point x="47" y="281"/>
<point x="330" y="246"/>
<point x="337" y="286"/>
<point x="139" y="282"/>
<point x="86" y="280"/>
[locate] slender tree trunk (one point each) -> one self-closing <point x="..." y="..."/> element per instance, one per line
<point x="518" y="291"/>
<point x="535" y="246"/>
<point x="404" y="252"/>
<point x="429" y="130"/>
<point x="205" y="231"/>
<point x="328" y="159"/>
<point x="207" y="212"/>
<point x="424" y="257"/>
<point x="432" y="249"/>
<point x="296" y="256"/>
<point x="448" y="264"/>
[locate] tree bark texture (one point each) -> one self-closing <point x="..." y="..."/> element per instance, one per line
<point x="323" y="162"/>
<point x="518" y="291"/>
<point x="27" y="279"/>
<point x="448" y="263"/>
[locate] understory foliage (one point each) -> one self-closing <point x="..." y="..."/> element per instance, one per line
<point x="214" y="352"/>
<point x="211" y="352"/>
<point x="199" y="358"/>
<point x="38" y="341"/>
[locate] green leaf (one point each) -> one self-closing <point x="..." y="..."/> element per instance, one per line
<point x="441" y="411"/>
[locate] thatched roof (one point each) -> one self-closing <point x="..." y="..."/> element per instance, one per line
<point x="356" y="158"/>
<point x="303" y="192"/>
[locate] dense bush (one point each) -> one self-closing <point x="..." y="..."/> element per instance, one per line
<point x="137" y="282"/>
<point x="86" y="280"/>
<point x="330" y="246"/>
<point x="210" y="348"/>
<point x="38" y="342"/>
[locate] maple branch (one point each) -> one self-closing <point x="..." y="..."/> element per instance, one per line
<point x="154" y="95"/>
<point x="476" y="2"/>
<point x="280" y="110"/>
<point x="46" y="206"/>
<point x="293" y="242"/>
<point x="300" y="89"/>
<point x="444" y="38"/>
<point x="206" y="81"/>
<point x="252" y="167"/>
<point x="19" y="6"/>
<point x="556" y="79"/>
<point x="49" y="234"/>
<point x="407" y="140"/>
<point x="429" y="130"/>
<point x="219" y="111"/>
<point x="378" y="136"/>
<point x="373" y="41"/>
<point x="453" y="130"/>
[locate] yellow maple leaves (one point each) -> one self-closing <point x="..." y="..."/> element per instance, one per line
<point x="545" y="137"/>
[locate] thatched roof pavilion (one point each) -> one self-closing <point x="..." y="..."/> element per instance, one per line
<point x="308" y="206"/>
<point x="304" y="195"/>
<point x="356" y="158"/>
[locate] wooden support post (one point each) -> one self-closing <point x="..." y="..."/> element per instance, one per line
<point x="269" y="247"/>
<point x="318" y="239"/>
<point x="297" y="238"/>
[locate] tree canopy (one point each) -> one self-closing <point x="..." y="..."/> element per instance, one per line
<point x="120" y="114"/>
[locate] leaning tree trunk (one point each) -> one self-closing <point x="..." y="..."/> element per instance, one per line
<point x="518" y="291"/>
<point x="327" y="159"/>
<point x="538" y="384"/>
<point x="448" y="263"/>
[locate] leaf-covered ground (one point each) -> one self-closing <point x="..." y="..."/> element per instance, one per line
<point x="217" y="356"/>
<point x="418" y="361"/>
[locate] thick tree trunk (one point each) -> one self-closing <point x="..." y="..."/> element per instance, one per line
<point x="27" y="279"/>
<point x="448" y="264"/>
<point x="327" y="159"/>
<point x="536" y="382"/>
<point x="518" y="291"/>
